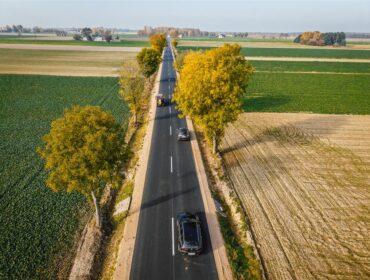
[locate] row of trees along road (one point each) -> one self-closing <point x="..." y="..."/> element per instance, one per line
<point x="134" y="75"/>
<point x="211" y="88"/>
<point x="84" y="150"/>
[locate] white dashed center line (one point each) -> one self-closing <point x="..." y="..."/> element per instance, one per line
<point x="173" y="237"/>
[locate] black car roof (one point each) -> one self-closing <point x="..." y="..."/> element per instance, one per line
<point x="191" y="232"/>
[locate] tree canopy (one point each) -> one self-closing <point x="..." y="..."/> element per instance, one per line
<point x="82" y="152"/>
<point x="321" y="39"/>
<point x="148" y="60"/>
<point x="158" y="42"/>
<point x="132" y="84"/>
<point x="211" y="88"/>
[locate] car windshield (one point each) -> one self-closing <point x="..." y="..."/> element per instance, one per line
<point x="182" y="130"/>
<point x="190" y="233"/>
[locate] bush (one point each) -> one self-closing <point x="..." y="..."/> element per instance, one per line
<point x="77" y="37"/>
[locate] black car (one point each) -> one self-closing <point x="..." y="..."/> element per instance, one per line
<point x="183" y="134"/>
<point x="189" y="234"/>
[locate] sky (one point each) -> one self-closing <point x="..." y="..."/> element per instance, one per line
<point x="210" y="15"/>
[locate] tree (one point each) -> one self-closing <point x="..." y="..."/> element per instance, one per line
<point x="37" y="29"/>
<point x="148" y="60"/>
<point x="86" y="32"/>
<point x="211" y="88"/>
<point x="158" y="42"/>
<point x="107" y="34"/>
<point x="77" y="37"/>
<point x="132" y="84"/>
<point x="179" y="61"/>
<point x="82" y="152"/>
<point x="175" y="42"/>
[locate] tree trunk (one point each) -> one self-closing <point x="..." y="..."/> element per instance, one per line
<point x="97" y="214"/>
<point x="135" y="118"/>
<point x="214" y="144"/>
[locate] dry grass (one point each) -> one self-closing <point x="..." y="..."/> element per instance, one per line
<point x="304" y="180"/>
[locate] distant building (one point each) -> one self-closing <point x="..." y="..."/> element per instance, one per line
<point x="98" y="39"/>
<point x="221" y="36"/>
<point x="85" y="39"/>
<point x="180" y="36"/>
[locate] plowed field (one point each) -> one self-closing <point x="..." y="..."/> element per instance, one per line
<point x="304" y="180"/>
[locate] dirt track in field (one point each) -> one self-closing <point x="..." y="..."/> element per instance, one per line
<point x="304" y="180"/>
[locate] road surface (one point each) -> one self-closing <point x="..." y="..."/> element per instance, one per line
<point x="171" y="186"/>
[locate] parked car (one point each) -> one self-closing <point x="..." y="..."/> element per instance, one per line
<point x="189" y="234"/>
<point x="183" y="134"/>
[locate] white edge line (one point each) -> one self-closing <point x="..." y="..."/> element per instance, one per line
<point x="173" y="237"/>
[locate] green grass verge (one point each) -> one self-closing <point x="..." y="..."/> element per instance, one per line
<point x="243" y="262"/>
<point x="296" y="52"/>
<point x="124" y="43"/>
<point x="317" y="93"/>
<point x="38" y="226"/>
<point x="298" y="66"/>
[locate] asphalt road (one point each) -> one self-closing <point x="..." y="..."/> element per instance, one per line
<point x="171" y="186"/>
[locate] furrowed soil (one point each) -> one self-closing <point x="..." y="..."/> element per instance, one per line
<point x="304" y="180"/>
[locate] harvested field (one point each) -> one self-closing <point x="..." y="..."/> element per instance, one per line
<point x="63" y="63"/>
<point x="41" y="41"/>
<point x="304" y="180"/>
<point x="28" y="46"/>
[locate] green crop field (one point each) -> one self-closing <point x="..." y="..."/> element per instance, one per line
<point x="124" y="43"/>
<point x="298" y="66"/>
<point x="296" y="52"/>
<point x="317" y="93"/>
<point x="235" y="39"/>
<point x="38" y="227"/>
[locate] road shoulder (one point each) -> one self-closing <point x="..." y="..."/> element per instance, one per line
<point x="127" y="245"/>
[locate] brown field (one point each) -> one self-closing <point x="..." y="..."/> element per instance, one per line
<point x="62" y="62"/>
<point x="304" y="180"/>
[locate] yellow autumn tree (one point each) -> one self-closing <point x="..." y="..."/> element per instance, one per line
<point x="211" y="88"/>
<point x="132" y="84"/>
<point x="158" y="42"/>
<point x="82" y="152"/>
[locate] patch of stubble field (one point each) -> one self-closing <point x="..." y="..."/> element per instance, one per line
<point x="304" y="180"/>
